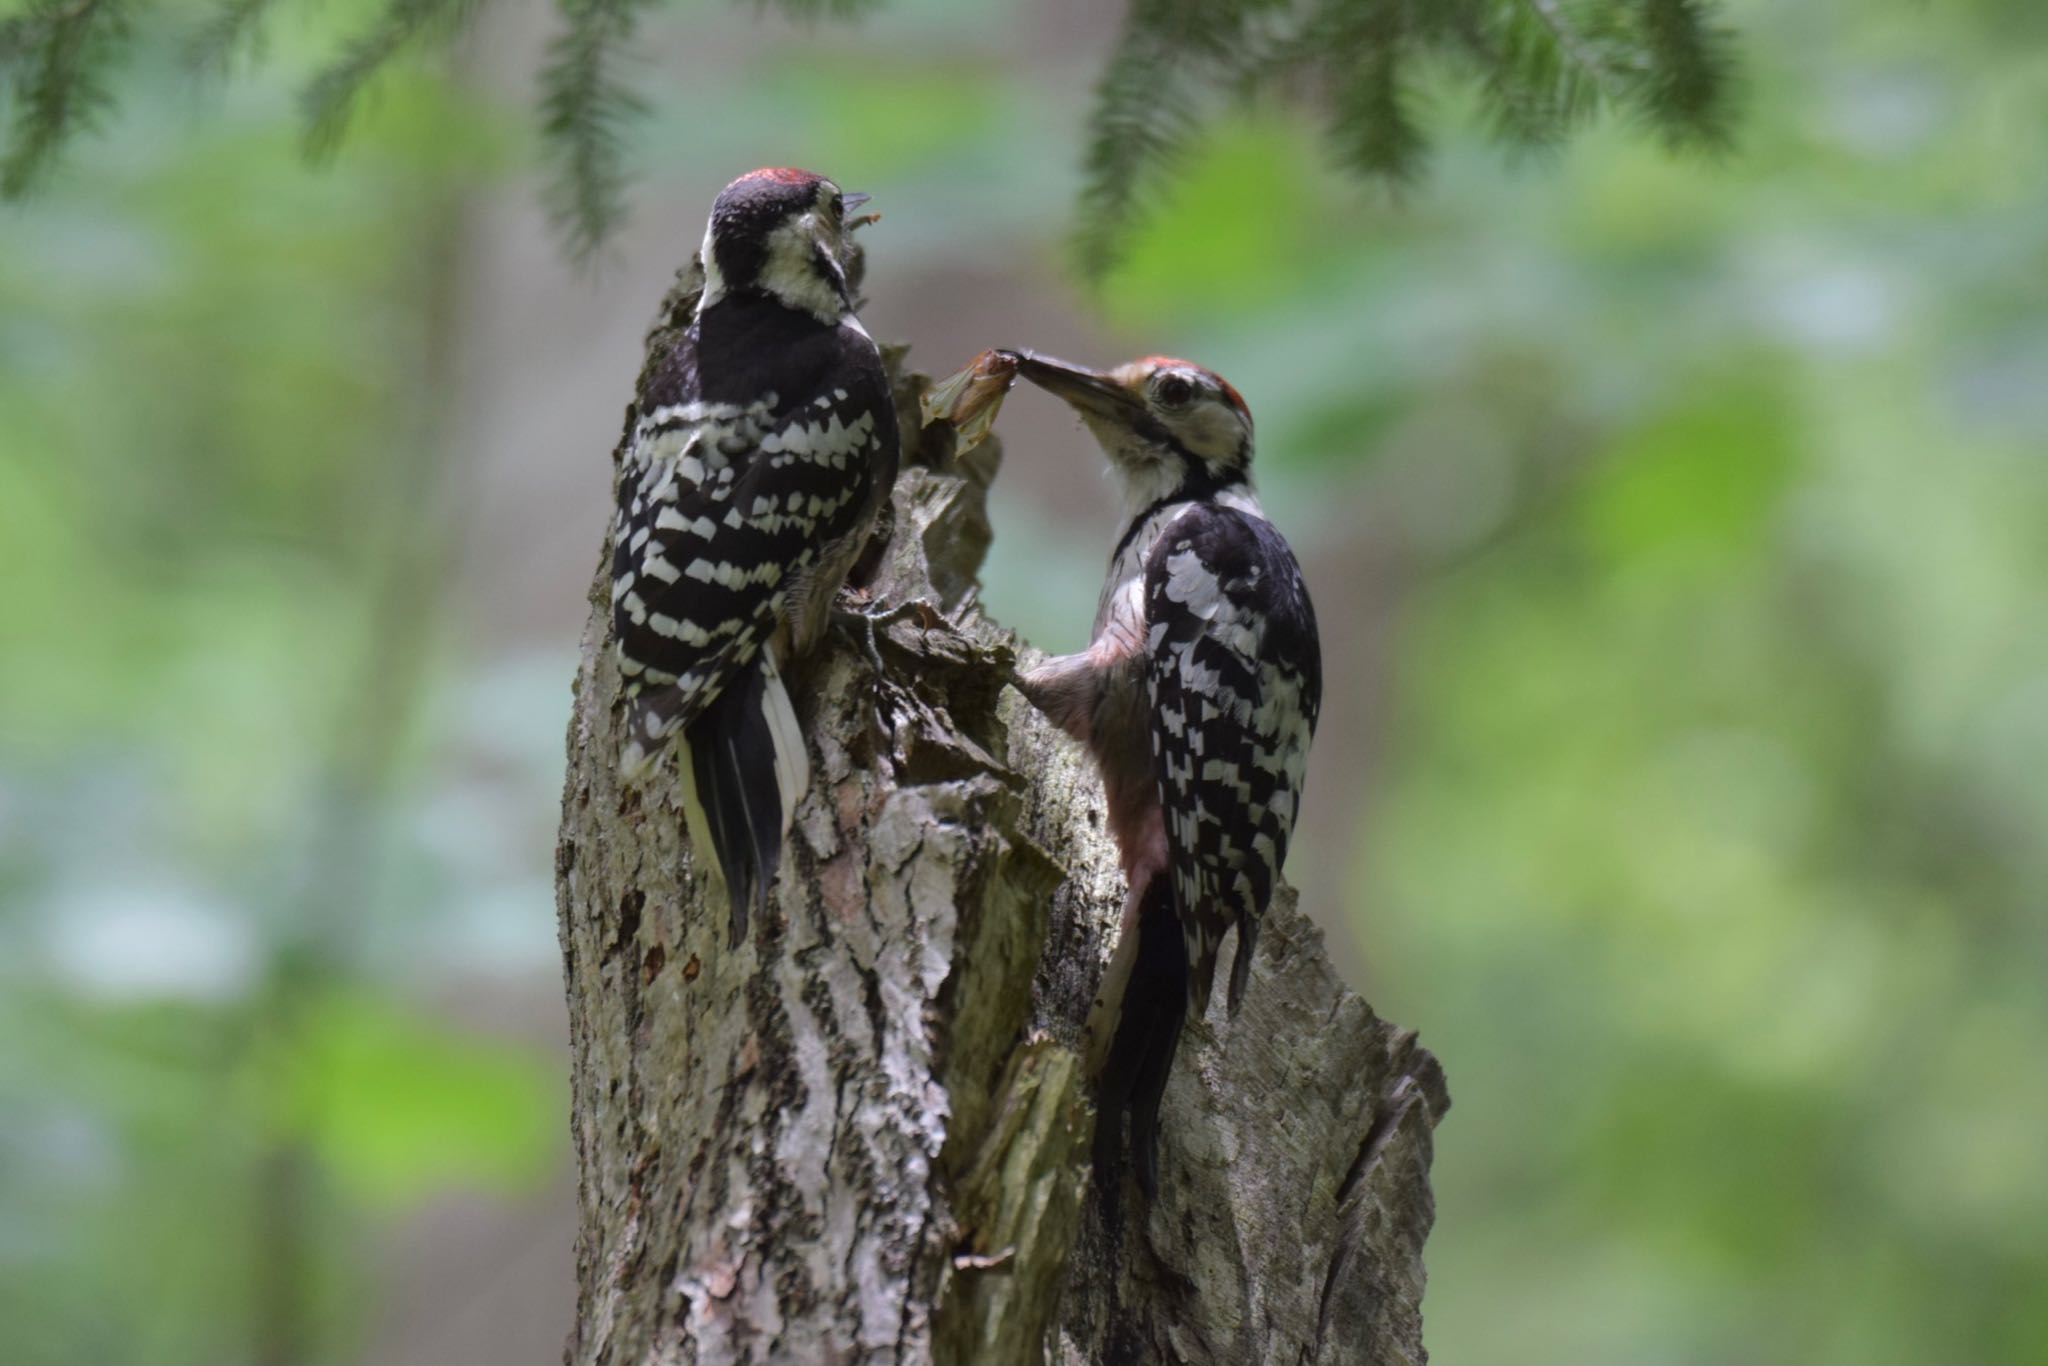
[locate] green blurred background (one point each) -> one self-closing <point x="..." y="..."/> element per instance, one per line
<point x="1679" y="531"/>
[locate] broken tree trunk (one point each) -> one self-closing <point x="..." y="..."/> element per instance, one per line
<point x="863" y="1134"/>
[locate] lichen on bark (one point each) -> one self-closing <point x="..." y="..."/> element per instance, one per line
<point x="863" y="1134"/>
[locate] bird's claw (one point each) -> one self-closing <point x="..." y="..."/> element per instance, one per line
<point x="859" y="624"/>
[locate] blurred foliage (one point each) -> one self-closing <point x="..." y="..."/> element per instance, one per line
<point x="1541" y="66"/>
<point x="397" y="1107"/>
<point x="143" y="1212"/>
<point x="1708" y="849"/>
<point x="216" y="448"/>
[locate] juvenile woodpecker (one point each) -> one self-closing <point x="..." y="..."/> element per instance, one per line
<point x="1197" y="698"/>
<point x="760" y="448"/>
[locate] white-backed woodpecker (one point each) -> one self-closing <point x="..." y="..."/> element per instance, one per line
<point x="760" y="447"/>
<point x="1197" y="698"/>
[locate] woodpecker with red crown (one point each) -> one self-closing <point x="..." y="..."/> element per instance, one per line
<point x="1197" y="698"/>
<point x="759" y="451"/>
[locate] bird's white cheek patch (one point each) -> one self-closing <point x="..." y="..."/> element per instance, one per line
<point x="714" y="282"/>
<point x="1213" y="433"/>
<point x="791" y="271"/>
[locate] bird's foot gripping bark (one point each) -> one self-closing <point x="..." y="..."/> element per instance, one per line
<point x="855" y="617"/>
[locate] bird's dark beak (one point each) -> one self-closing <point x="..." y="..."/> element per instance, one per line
<point x="1089" y="392"/>
<point x="851" y="200"/>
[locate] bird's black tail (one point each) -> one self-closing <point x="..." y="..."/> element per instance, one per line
<point x="745" y="761"/>
<point x="1148" y="1028"/>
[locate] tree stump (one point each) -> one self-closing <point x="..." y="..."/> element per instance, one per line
<point x="863" y="1134"/>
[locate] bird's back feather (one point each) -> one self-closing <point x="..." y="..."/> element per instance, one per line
<point x="1234" y="673"/>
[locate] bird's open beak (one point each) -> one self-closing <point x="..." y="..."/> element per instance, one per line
<point x="851" y="200"/>
<point x="1089" y="392"/>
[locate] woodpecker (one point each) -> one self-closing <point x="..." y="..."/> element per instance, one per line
<point x="1197" y="699"/>
<point x="760" y="448"/>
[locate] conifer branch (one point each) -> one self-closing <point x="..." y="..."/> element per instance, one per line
<point x="1691" y="71"/>
<point x="1543" y="67"/>
<point x="1582" y="60"/>
<point x="55" y="59"/>
<point x="585" y="108"/>
<point x="235" y="27"/>
<point x="330" y="99"/>
<point x="1143" y="124"/>
<point x="1363" y="50"/>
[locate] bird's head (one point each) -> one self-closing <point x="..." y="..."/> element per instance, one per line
<point x="784" y="233"/>
<point x="1168" y="426"/>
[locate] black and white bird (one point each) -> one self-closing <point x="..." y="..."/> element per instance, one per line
<point x="1197" y="698"/>
<point x="759" y="451"/>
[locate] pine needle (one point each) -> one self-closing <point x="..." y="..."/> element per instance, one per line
<point x="234" y="28"/>
<point x="331" y="98"/>
<point x="1543" y="67"/>
<point x="56" y="59"/>
<point x="585" y="110"/>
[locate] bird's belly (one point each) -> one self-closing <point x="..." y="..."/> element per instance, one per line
<point x="1123" y="754"/>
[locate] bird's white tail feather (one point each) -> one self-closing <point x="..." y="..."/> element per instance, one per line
<point x="792" y="759"/>
<point x="703" y="853"/>
<point x="750" y="737"/>
<point x="1108" y="1004"/>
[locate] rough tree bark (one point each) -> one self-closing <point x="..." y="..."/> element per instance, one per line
<point x="864" y="1134"/>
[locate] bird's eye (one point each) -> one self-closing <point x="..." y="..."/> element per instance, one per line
<point x="1175" y="390"/>
<point x="838" y="207"/>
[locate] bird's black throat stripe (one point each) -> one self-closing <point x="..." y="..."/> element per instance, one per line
<point x="1203" y="483"/>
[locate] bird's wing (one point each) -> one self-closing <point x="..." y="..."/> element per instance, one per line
<point x="1234" y="674"/>
<point x="720" y="508"/>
